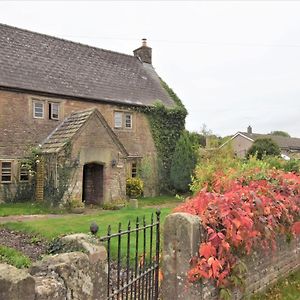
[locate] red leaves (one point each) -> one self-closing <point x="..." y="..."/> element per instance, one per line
<point x="296" y="228"/>
<point x="243" y="216"/>
<point x="207" y="250"/>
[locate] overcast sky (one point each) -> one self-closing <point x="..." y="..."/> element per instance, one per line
<point x="233" y="63"/>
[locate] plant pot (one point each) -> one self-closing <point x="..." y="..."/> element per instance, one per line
<point x="77" y="210"/>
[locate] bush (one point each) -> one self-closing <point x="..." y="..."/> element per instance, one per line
<point x="262" y="147"/>
<point x="134" y="187"/>
<point x="248" y="214"/>
<point x="183" y="162"/>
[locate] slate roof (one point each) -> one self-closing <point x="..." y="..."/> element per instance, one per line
<point x="67" y="130"/>
<point x="283" y="142"/>
<point x="37" y="62"/>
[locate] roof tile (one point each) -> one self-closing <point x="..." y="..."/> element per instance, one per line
<point x="42" y="63"/>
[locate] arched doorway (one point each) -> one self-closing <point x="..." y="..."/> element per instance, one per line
<point x="92" y="184"/>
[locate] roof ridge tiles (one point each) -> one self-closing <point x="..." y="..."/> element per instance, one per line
<point x="66" y="40"/>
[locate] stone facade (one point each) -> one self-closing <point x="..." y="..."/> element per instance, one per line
<point x="20" y="131"/>
<point x="181" y="244"/>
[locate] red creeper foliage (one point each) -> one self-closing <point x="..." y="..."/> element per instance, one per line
<point x="247" y="214"/>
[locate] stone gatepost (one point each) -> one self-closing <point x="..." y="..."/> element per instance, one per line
<point x="182" y="233"/>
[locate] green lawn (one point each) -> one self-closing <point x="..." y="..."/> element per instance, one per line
<point x="13" y="257"/>
<point x="163" y="200"/>
<point x="33" y="208"/>
<point x="52" y="228"/>
<point x="285" y="289"/>
<point x="26" y="208"/>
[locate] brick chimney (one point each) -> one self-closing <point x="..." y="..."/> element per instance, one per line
<point x="249" y="129"/>
<point x="144" y="53"/>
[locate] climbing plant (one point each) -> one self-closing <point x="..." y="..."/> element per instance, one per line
<point x="167" y="124"/>
<point x="23" y="191"/>
<point x="242" y="211"/>
<point x="59" y="178"/>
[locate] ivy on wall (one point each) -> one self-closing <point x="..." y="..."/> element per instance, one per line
<point x="167" y="124"/>
<point x="59" y="181"/>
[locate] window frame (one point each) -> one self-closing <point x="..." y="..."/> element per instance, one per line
<point x="134" y="170"/>
<point x="125" y="116"/>
<point x="119" y="113"/>
<point x="51" y="104"/>
<point x="34" y="102"/>
<point x="121" y="121"/>
<point x="20" y="173"/>
<point x="10" y="173"/>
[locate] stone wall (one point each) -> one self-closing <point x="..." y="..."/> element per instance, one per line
<point x="20" y="131"/>
<point x="75" y="275"/>
<point x="183" y="234"/>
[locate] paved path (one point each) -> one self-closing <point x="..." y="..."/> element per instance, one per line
<point x="22" y="218"/>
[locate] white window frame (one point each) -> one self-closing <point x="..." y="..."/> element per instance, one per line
<point x="51" y="114"/>
<point x="118" y="119"/>
<point x="23" y="171"/>
<point x="10" y="172"/>
<point x="130" y="116"/>
<point x="34" y="102"/>
<point x="123" y="120"/>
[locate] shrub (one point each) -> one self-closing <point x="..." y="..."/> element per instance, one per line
<point x="262" y="147"/>
<point x="248" y="214"/>
<point x="134" y="187"/>
<point x="183" y="162"/>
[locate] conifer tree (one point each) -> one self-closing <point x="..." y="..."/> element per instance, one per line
<point x="183" y="162"/>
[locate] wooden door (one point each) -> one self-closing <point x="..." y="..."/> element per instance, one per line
<point x="92" y="184"/>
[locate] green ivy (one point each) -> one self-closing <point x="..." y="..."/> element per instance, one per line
<point x="167" y="124"/>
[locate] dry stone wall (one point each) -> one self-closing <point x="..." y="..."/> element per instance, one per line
<point x="183" y="234"/>
<point x="74" y="275"/>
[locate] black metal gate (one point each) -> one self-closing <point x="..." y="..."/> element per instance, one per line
<point x="133" y="260"/>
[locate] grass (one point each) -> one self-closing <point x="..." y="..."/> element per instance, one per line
<point x="67" y="224"/>
<point x="13" y="257"/>
<point x="26" y="208"/>
<point x="158" y="201"/>
<point x="52" y="228"/>
<point x="285" y="289"/>
<point x="33" y="208"/>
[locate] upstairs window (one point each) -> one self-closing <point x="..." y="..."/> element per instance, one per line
<point x="44" y="109"/>
<point x="6" y="174"/>
<point x="118" y="120"/>
<point x="38" y="109"/>
<point x="122" y="120"/>
<point x="53" y="111"/>
<point x="128" y="121"/>
<point x="24" y="173"/>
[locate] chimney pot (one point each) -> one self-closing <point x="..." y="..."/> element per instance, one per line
<point x="249" y="129"/>
<point x="144" y="53"/>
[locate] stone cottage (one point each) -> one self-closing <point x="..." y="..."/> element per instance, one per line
<point x="80" y="106"/>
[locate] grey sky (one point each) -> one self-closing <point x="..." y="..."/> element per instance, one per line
<point x="233" y="63"/>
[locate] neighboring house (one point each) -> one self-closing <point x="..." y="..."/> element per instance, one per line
<point x="59" y="94"/>
<point x="242" y="141"/>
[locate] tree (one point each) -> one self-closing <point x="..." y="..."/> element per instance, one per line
<point x="265" y="146"/>
<point x="183" y="162"/>
<point x="198" y="138"/>
<point x="280" y="133"/>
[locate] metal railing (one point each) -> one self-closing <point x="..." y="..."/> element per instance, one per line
<point x="133" y="260"/>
